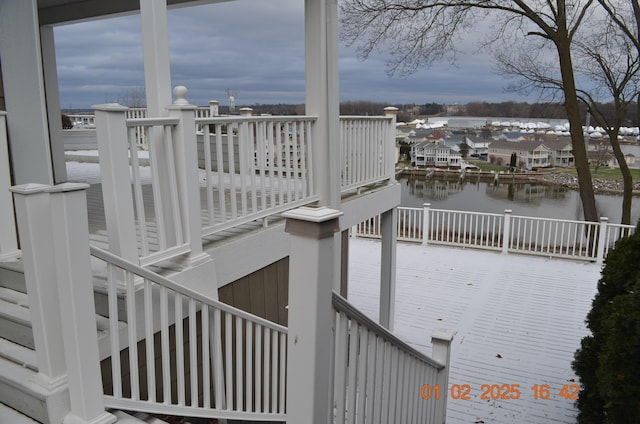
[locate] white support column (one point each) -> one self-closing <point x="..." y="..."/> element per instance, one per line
<point x="322" y="96"/>
<point x="426" y="222"/>
<point x="602" y="239"/>
<point x="323" y="101"/>
<point x="311" y="280"/>
<point x="53" y="104"/>
<point x="506" y="231"/>
<point x="24" y="93"/>
<point x="389" y="231"/>
<point x="155" y="45"/>
<point x="111" y="133"/>
<point x="186" y="162"/>
<point x="441" y="352"/>
<point x="34" y="223"/>
<point x="390" y="154"/>
<point x="157" y="76"/>
<point x="8" y="234"/>
<point x="75" y="293"/>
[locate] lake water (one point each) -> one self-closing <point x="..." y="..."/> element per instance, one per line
<point x="537" y="200"/>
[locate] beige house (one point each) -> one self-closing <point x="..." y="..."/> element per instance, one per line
<point x="530" y="154"/>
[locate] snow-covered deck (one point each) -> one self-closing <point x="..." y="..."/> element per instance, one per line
<point x="519" y="320"/>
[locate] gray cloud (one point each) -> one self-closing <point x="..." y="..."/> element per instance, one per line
<point x="253" y="47"/>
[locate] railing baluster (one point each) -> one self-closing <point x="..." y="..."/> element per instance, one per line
<point x="164" y="345"/>
<point x="150" y="352"/>
<point x="193" y="352"/>
<point x="249" y="375"/>
<point x="228" y="364"/>
<point x="267" y="372"/>
<point x="114" y="332"/>
<point x="180" y="349"/>
<point x="206" y="358"/>
<point x="259" y="369"/>
<point x="239" y="362"/>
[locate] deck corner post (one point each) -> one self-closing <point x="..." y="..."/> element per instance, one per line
<point x="441" y="351"/>
<point x="35" y="229"/>
<point x="390" y="154"/>
<point x="425" y="223"/>
<point x="602" y="239"/>
<point x="77" y="309"/>
<point x="311" y="282"/>
<point x="111" y="133"/>
<point x="186" y="168"/>
<point x="506" y="231"/>
<point x="389" y="233"/>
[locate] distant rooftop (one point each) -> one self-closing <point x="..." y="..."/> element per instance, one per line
<point x="519" y="320"/>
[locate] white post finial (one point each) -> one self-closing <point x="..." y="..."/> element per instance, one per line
<point x="214" y="108"/>
<point x="246" y="111"/>
<point x="180" y="91"/>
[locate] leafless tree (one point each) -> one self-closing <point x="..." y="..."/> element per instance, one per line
<point x="420" y="32"/>
<point x="610" y="60"/>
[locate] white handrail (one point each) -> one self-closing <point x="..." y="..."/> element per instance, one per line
<point x="236" y="374"/>
<point x="559" y="238"/>
<point x="377" y="376"/>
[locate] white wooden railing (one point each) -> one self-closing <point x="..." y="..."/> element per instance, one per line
<point x="505" y="233"/>
<point x="367" y="149"/>
<point x="218" y="361"/>
<point x="253" y="167"/>
<point x="380" y="379"/>
<point x="199" y="175"/>
<point x="8" y="234"/>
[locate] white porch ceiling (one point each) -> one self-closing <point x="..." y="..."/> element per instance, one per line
<point x="57" y="12"/>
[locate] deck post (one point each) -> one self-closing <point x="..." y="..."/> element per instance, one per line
<point x="34" y="224"/>
<point x="389" y="233"/>
<point x="8" y="235"/>
<point x="111" y="133"/>
<point x="425" y="223"/>
<point x="441" y="351"/>
<point x="506" y="231"/>
<point x="390" y="153"/>
<point x="214" y="108"/>
<point x="77" y="308"/>
<point x="311" y="282"/>
<point x="186" y="163"/>
<point x="602" y="239"/>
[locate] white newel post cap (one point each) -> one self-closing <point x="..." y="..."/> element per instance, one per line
<point x="180" y="91"/>
<point x="29" y="188"/>
<point x="109" y="107"/>
<point x="67" y="187"/>
<point x="312" y="222"/>
<point x="246" y="111"/>
<point x="391" y="110"/>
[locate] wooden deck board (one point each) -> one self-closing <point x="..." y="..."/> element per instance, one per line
<point x="528" y="310"/>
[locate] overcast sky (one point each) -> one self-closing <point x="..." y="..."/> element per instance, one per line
<point x="255" y="48"/>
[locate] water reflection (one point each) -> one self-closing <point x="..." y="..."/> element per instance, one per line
<point x="528" y="199"/>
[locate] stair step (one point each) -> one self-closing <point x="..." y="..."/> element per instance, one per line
<point x="12" y="276"/>
<point x="10" y="415"/>
<point x="15" y="319"/>
<point x="19" y="390"/>
<point x="21" y="355"/>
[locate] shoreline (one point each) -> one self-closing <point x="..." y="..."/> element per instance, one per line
<point x="600" y="185"/>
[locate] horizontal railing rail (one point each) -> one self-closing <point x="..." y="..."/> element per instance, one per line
<point x="506" y="233"/>
<point x="182" y="353"/>
<point x="254" y="167"/>
<point x="377" y="376"/>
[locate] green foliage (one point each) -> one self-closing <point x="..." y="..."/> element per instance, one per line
<point x="608" y="360"/>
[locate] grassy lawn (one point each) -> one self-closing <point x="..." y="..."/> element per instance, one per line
<point x="486" y="166"/>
